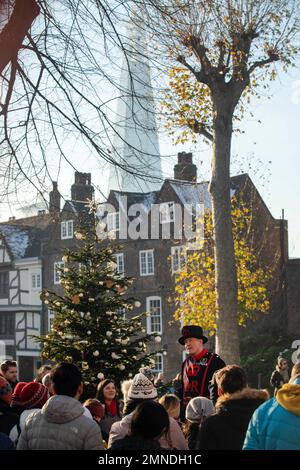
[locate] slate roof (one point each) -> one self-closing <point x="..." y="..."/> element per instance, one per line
<point x="23" y="242"/>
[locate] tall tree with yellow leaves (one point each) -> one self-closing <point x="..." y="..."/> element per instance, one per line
<point x="223" y="51"/>
<point x="195" y="284"/>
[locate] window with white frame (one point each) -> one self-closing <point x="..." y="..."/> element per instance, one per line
<point x="36" y="281"/>
<point x="4" y="284"/>
<point x="159" y="363"/>
<point x="67" y="229"/>
<point x="178" y="258"/>
<point x="167" y="212"/>
<point x="146" y="262"/>
<point x="51" y="316"/>
<point x="122" y="312"/>
<point x="57" y="274"/>
<point x="154" y="320"/>
<point x="120" y="263"/>
<point x="113" y="221"/>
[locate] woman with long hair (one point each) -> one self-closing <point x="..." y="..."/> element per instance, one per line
<point x="107" y="395"/>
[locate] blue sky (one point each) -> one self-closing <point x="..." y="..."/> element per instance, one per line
<point x="269" y="151"/>
<point x="277" y="140"/>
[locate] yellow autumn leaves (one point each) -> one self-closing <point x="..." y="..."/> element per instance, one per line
<point x="195" y="285"/>
<point x="186" y="105"/>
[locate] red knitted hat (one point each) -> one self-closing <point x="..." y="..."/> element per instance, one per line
<point x="16" y="394"/>
<point x="33" y="395"/>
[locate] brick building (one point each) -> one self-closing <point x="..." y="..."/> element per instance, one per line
<point x="31" y="249"/>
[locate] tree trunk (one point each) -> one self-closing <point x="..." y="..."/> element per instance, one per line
<point x="227" y="337"/>
<point x="16" y="28"/>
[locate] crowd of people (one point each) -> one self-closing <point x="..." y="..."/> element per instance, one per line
<point x="206" y="409"/>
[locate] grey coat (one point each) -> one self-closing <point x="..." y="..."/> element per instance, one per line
<point x="60" y="425"/>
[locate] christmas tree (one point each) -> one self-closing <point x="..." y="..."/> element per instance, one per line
<point x="89" y="327"/>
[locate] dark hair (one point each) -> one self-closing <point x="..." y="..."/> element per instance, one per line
<point x="191" y="431"/>
<point x="7" y="364"/>
<point x="231" y="379"/>
<point x="100" y="393"/>
<point x="149" y="420"/>
<point x="41" y="372"/>
<point x="66" y="379"/>
<point x="131" y="405"/>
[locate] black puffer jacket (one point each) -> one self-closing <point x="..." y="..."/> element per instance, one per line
<point x="276" y="381"/>
<point x="226" y="429"/>
<point x="135" y="443"/>
<point x="8" y="418"/>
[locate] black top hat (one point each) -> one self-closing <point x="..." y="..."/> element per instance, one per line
<point x="192" y="331"/>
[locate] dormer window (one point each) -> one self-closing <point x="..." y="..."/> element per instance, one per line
<point x="67" y="231"/>
<point x="167" y="212"/>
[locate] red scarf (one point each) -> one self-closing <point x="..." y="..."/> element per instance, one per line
<point x="203" y="352"/>
<point x="111" y="407"/>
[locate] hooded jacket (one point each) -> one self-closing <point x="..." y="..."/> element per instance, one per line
<point x="15" y="432"/>
<point x="60" y="425"/>
<point x="275" y="425"/>
<point x="174" y="440"/>
<point x="226" y="429"/>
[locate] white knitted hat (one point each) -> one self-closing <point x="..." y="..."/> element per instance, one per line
<point x="197" y="408"/>
<point x="141" y="388"/>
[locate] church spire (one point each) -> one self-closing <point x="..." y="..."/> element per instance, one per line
<point x="136" y="146"/>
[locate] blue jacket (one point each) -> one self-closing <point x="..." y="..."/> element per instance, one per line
<point x="5" y="442"/>
<point x="275" y="425"/>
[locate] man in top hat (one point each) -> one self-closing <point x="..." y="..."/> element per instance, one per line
<point x="199" y="366"/>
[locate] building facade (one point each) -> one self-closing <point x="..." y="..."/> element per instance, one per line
<point x="31" y="250"/>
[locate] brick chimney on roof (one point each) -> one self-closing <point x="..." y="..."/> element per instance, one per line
<point x="82" y="189"/>
<point x="54" y="200"/>
<point x="185" y="169"/>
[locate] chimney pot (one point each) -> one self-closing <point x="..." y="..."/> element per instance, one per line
<point x="185" y="169"/>
<point x="54" y="200"/>
<point x="82" y="189"/>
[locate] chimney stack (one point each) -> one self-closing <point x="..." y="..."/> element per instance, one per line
<point x="185" y="169"/>
<point x="54" y="200"/>
<point x="82" y="189"/>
